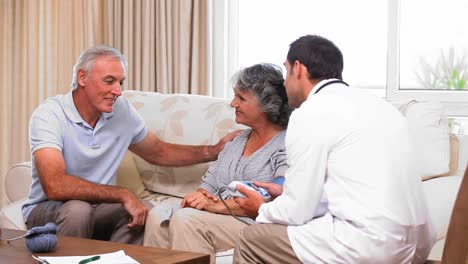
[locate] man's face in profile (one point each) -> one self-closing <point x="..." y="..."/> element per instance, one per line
<point x="293" y="89"/>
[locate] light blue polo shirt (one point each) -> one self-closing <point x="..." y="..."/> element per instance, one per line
<point x="91" y="154"/>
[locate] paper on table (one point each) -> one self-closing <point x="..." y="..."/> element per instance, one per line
<point x="118" y="257"/>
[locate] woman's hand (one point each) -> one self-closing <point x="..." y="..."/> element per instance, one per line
<point x="207" y="194"/>
<point x="201" y="200"/>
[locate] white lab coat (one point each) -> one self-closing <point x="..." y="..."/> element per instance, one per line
<point x="349" y="194"/>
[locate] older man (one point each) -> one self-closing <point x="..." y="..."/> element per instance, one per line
<point x="77" y="142"/>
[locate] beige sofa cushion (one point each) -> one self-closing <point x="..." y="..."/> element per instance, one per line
<point x="454" y="155"/>
<point x="181" y="119"/>
<point x="129" y="177"/>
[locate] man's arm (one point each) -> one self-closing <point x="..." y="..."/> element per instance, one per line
<point x="59" y="186"/>
<point x="307" y="158"/>
<point x="156" y="151"/>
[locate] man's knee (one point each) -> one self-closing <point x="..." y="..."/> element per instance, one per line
<point x="43" y="213"/>
<point x="75" y="214"/>
<point x="77" y="209"/>
<point x="248" y="235"/>
<point x="242" y="240"/>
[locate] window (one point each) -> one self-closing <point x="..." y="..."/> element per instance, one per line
<point x="388" y="46"/>
<point x="422" y="36"/>
<point x="434" y="46"/>
<point x="264" y="36"/>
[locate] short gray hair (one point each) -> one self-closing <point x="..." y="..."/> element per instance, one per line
<point x="267" y="83"/>
<point x="89" y="56"/>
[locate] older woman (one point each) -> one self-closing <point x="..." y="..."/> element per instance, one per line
<point x="205" y="224"/>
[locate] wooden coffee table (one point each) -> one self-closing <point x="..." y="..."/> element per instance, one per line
<point x="17" y="252"/>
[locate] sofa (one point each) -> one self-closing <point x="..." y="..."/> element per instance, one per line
<point x="440" y="157"/>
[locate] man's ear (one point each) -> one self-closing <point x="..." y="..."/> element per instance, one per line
<point x="299" y="70"/>
<point x="81" y="77"/>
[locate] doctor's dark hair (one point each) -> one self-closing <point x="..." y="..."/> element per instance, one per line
<point x="87" y="58"/>
<point x="266" y="82"/>
<point x="321" y="57"/>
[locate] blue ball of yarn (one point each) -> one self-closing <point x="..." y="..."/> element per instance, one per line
<point x="42" y="238"/>
<point x="42" y="243"/>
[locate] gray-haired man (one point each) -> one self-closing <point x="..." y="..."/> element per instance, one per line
<point x="77" y="142"/>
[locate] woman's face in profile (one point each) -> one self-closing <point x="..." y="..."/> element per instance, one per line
<point x="247" y="108"/>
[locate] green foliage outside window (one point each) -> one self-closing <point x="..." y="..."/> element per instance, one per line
<point x="448" y="73"/>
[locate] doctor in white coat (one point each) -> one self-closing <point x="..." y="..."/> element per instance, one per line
<point x="349" y="194"/>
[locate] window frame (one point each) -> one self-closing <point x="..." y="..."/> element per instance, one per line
<point x="224" y="37"/>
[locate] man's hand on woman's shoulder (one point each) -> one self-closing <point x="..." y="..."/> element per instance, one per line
<point x="220" y="145"/>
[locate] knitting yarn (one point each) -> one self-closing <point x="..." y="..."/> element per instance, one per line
<point x="42" y="238"/>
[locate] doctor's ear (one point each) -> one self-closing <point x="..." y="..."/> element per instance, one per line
<point x="299" y="70"/>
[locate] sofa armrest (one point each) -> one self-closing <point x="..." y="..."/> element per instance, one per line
<point x="17" y="181"/>
<point x="11" y="217"/>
